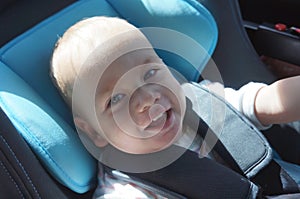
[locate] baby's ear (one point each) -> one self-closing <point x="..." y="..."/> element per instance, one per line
<point x="86" y="128"/>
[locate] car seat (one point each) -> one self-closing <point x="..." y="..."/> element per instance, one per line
<point x="50" y="163"/>
<point x="242" y="59"/>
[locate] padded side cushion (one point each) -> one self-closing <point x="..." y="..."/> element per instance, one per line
<point x="48" y="135"/>
<point x="29" y="54"/>
<point x="35" y="107"/>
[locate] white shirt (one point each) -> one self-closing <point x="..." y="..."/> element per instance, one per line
<point x="243" y="100"/>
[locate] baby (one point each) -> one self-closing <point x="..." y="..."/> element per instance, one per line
<point x="139" y="105"/>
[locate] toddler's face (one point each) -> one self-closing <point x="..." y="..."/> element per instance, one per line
<point x="140" y="105"/>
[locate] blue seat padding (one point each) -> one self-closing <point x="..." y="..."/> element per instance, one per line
<point x="29" y="54"/>
<point x="52" y="139"/>
<point x="35" y="107"/>
<point x="185" y="16"/>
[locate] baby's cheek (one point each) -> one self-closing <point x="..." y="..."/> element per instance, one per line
<point x="123" y="120"/>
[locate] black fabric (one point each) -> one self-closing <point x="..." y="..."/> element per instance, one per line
<point x="285" y="141"/>
<point x="21" y="174"/>
<point x="17" y="16"/>
<point x="5" y="3"/>
<point x="234" y="55"/>
<point x="24" y="176"/>
<point x="279" y="11"/>
<point x="285" y="196"/>
<point x="274" y="180"/>
<point x="195" y="177"/>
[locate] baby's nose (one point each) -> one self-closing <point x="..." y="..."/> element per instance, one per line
<point x="144" y="97"/>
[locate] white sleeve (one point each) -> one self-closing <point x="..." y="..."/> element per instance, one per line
<point x="243" y="100"/>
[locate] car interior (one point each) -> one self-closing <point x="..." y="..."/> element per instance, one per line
<point x="41" y="153"/>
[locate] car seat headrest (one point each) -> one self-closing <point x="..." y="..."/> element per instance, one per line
<point x="188" y="17"/>
<point x="35" y="107"/>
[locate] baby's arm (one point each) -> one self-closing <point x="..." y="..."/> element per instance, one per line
<point x="279" y="102"/>
<point x="264" y="104"/>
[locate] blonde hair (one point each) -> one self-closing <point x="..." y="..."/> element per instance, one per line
<point x="76" y="44"/>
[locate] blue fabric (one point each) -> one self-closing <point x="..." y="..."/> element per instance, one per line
<point x="49" y="136"/>
<point x="30" y="101"/>
<point x="33" y="49"/>
<point x="185" y="16"/>
<point x="35" y="107"/>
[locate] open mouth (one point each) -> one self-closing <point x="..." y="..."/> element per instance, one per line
<point x="161" y="123"/>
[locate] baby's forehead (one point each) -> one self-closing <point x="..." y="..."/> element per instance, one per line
<point x="137" y="59"/>
<point x="128" y="66"/>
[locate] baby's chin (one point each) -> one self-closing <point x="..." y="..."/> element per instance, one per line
<point x="152" y="146"/>
<point x="170" y="137"/>
<point x="167" y="136"/>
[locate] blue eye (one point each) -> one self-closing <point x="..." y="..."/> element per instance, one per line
<point x="116" y="99"/>
<point x="149" y="74"/>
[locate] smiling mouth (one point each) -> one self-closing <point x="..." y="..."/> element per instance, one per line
<point x="161" y="122"/>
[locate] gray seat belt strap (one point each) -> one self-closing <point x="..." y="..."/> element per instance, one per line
<point x="247" y="146"/>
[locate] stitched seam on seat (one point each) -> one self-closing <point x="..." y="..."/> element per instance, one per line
<point x="21" y="166"/>
<point x="49" y="157"/>
<point x="11" y="178"/>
